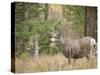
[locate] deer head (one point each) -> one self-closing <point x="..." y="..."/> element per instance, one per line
<point x="55" y="36"/>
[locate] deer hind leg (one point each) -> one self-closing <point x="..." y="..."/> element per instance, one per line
<point x="88" y="57"/>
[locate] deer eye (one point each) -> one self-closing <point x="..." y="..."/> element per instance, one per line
<point x="56" y="37"/>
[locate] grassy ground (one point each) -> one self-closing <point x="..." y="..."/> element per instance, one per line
<point x="52" y="63"/>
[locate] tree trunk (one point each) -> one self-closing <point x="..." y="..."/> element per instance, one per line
<point x="91" y="22"/>
<point x="55" y="11"/>
<point x="36" y="50"/>
<point x="46" y="12"/>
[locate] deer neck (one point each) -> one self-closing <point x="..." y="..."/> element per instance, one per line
<point x="62" y="40"/>
<point x="61" y="44"/>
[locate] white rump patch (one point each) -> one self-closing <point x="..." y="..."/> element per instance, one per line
<point x="93" y="42"/>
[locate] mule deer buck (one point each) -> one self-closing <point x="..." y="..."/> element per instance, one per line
<point x="76" y="49"/>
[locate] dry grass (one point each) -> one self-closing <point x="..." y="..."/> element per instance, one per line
<point x="52" y="63"/>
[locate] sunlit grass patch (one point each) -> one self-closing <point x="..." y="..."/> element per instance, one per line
<point x="52" y="63"/>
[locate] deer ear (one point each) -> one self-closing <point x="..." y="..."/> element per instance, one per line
<point x="51" y="33"/>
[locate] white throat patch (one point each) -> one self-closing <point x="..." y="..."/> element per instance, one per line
<point x="53" y="39"/>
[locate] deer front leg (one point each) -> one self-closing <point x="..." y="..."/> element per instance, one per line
<point x="69" y="61"/>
